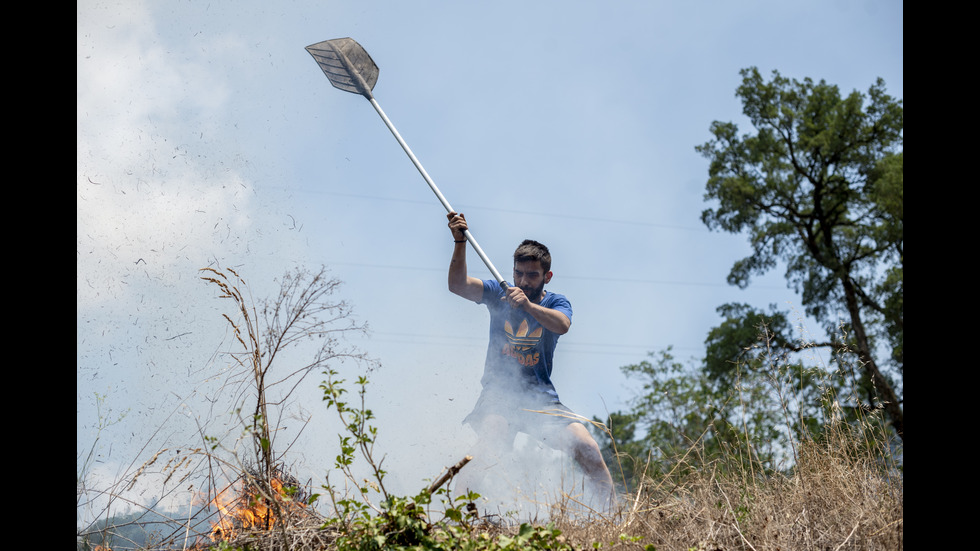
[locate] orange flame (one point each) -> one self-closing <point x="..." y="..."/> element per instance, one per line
<point x="243" y="508"/>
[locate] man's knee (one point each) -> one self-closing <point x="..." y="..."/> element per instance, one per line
<point x="583" y="447"/>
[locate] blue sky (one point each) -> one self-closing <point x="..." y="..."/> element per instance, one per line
<point x="208" y="136"/>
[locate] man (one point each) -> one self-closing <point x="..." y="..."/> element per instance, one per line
<point x="518" y="395"/>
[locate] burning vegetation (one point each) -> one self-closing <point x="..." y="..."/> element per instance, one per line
<point x="258" y="515"/>
<point x="246" y="506"/>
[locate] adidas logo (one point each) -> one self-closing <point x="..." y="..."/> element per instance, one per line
<point x="520" y="339"/>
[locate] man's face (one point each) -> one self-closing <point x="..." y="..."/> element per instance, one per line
<point x="531" y="278"/>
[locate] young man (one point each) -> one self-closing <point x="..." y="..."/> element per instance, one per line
<point x="518" y="395"/>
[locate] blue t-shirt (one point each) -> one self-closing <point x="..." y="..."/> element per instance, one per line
<point x="521" y="350"/>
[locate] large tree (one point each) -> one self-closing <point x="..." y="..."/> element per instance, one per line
<point x="818" y="186"/>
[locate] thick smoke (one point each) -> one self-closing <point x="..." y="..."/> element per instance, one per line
<point x="528" y="473"/>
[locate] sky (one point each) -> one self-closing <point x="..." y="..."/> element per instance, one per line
<point x="207" y="136"/>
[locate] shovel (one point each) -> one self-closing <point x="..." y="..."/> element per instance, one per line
<point x="351" y="69"/>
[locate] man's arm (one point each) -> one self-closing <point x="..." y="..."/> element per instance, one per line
<point x="460" y="283"/>
<point x="552" y="320"/>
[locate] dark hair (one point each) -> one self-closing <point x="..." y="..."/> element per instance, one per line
<point x="530" y="250"/>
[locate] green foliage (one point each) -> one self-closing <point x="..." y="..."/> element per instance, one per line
<point x="751" y="351"/>
<point x="819" y="188"/>
<point x="680" y="407"/>
<point x="402" y="522"/>
<point x="405" y="524"/>
<point x="532" y="537"/>
<point x="623" y="539"/>
<point x="358" y="438"/>
<point x="749" y="403"/>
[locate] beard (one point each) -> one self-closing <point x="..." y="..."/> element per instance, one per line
<point x="534" y="294"/>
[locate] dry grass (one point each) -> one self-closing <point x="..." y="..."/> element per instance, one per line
<point x="302" y="533"/>
<point x="842" y="494"/>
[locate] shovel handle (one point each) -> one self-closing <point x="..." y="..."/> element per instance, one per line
<point x="432" y="186"/>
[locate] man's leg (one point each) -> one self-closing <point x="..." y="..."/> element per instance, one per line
<point x="494" y="440"/>
<point x="584" y="449"/>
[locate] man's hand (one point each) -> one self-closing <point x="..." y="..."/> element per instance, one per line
<point x="460" y="283"/>
<point x="457" y="225"/>
<point x="551" y="319"/>
<point x="516" y="298"/>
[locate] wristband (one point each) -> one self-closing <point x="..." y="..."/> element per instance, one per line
<point x="463" y="241"/>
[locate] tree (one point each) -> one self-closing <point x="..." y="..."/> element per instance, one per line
<point x="680" y="410"/>
<point x="819" y="186"/>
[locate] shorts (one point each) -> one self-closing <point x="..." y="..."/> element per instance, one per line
<point x="535" y="414"/>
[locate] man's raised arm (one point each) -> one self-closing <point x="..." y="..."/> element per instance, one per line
<point x="460" y="283"/>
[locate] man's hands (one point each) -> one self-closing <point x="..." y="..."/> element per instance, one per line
<point x="457" y="225"/>
<point x="516" y="298"/>
<point x="551" y="319"/>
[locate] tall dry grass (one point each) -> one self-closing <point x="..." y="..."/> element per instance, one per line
<point x="843" y="489"/>
<point x="845" y="492"/>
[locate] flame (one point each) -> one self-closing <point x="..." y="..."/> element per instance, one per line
<point x="241" y="507"/>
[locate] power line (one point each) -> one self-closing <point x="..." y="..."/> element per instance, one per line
<point x="479" y="343"/>
<point x="511" y="211"/>
<point x="563" y="276"/>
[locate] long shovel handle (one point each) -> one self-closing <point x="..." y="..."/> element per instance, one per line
<point x="351" y="69"/>
<point x="432" y="185"/>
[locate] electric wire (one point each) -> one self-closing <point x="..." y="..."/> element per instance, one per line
<point x="511" y="211"/>
<point x="480" y="343"/>
<point x="563" y="276"/>
<point x="545" y="214"/>
<point x="569" y="347"/>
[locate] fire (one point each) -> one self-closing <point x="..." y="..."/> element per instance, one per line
<point x="242" y="507"/>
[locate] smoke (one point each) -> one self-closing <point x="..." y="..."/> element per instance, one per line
<point x="528" y="481"/>
<point x="523" y="465"/>
<point x="164" y="187"/>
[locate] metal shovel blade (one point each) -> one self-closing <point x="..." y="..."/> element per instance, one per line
<point x="346" y="64"/>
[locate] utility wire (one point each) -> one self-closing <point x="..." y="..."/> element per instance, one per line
<point x="479" y="343"/>
<point x="553" y="215"/>
<point x="462" y="207"/>
<point x="563" y="276"/>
